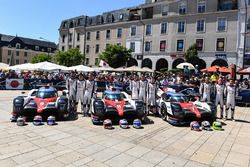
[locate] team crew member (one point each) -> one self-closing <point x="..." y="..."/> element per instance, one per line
<point x="71" y="87"/>
<point x="151" y="95"/>
<point x="230" y="93"/>
<point x="80" y="87"/>
<point x="219" y="91"/>
<point x="205" y="90"/>
<point x="142" y="90"/>
<point x="134" y="87"/>
<point x="89" y="91"/>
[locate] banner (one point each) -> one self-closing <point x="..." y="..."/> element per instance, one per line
<point x="14" y="84"/>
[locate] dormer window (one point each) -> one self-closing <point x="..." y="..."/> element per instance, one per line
<point x="164" y="10"/>
<point x="182" y="8"/>
<point x="121" y="16"/>
<point x="110" y="18"/>
<point x="36" y="48"/>
<point x="18" y="46"/>
<point x="9" y="46"/>
<point x="26" y="48"/>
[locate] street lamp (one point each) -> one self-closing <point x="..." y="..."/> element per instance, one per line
<point x="46" y="40"/>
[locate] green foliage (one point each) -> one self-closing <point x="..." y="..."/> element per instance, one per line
<point x="69" y="58"/>
<point x="41" y="58"/>
<point x="115" y="55"/>
<point x="191" y="55"/>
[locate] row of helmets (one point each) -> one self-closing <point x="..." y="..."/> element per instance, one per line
<point x="205" y="125"/>
<point x="137" y="124"/>
<point x="37" y="121"/>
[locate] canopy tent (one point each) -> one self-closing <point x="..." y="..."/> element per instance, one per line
<point x="26" y="66"/>
<point x="81" y="68"/>
<point x="134" y="69"/>
<point x="182" y="65"/>
<point x="214" y="69"/>
<point x="244" y="71"/>
<point x="103" y="69"/>
<point x="48" y="66"/>
<point x="3" y="66"/>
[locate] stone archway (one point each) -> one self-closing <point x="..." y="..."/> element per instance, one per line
<point x="176" y="62"/>
<point x="220" y="62"/>
<point x="161" y="63"/>
<point x="132" y="62"/>
<point x="147" y="63"/>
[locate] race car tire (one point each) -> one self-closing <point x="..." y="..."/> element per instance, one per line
<point x="163" y="112"/>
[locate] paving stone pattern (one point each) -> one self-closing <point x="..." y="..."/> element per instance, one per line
<point x="79" y="143"/>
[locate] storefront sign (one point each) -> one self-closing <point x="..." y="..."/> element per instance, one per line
<point x="221" y="56"/>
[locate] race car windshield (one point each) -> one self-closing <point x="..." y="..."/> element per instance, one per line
<point x="180" y="99"/>
<point x="44" y="94"/>
<point x="114" y="97"/>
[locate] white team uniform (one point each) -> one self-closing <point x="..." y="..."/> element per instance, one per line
<point x="134" y="87"/>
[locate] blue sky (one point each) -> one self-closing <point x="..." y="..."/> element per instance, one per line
<point x="42" y="18"/>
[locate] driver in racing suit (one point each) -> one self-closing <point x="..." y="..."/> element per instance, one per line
<point x="205" y="90"/>
<point x="80" y="87"/>
<point x="134" y="87"/>
<point x="230" y="93"/>
<point x="89" y="92"/>
<point x="151" y="96"/>
<point x="142" y="90"/>
<point x="219" y="91"/>
<point x="71" y="87"/>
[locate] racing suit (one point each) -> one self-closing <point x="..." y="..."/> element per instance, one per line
<point x="88" y="94"/>
<point x="142" y="90"/>
<point x="151" y="97"/>
<point x="80" y="93"/>
<point x="71" y="87"/>
<point x="219" y="91"/>
<point x="205" y="91"/>
<point x="230" y="93"/>
<point x="134" y="87"/>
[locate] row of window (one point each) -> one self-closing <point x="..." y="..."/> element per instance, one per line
<point x="181" y="27"/>
<point x="17" y="61"/>
<point x="37" y="48"/>
<point x="17" y="53"/>
<point x="220" y="45"/>
<point x="201" y="8"/>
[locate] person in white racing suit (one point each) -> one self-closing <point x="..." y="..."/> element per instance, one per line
<point x="205" y="90"/>
<point x="143" y="90"/>
<point x="80" y="87"/>
<point x="134" y="87"/>
<point x="230" y="93"/>
<point x="88" y="94"/>
<point x="71" y="87"/>
<point x="219" y="99"/>
<point x="151" y="95"/>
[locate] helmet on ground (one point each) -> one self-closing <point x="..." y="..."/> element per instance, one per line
<point x="107" y="124"/>
<point x="51" y="120"/>
<point x="20" y="121"/>
<point x="137" y="124"/>
<point x="206" y="125"/>
<point x="217" y="125"/>
<point x="38" y="120"/>
<point x="195" y="126"/>
<point x="123" y="123"/>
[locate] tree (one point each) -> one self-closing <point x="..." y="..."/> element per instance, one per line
<point x="41" y="58"/>
<point x="191" y="55"/>
<point x="116" y="55"/>
<point x="69" y="58"/>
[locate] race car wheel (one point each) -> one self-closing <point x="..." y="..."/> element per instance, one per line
<point x="163" y="112"/>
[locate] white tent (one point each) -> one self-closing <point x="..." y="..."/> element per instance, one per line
<point x="3" y="66"/>
<point x="81" y="68"/>
<point x="146" y="69"/>
<point x="48" y="66"/>
<point x="134" y="69"/>
<point x="26" y="66"/>
<point x="104" y="69"/>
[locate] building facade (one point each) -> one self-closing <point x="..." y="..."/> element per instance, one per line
<point x="18" y="50"/>
<point x="244" y="33"/>
<point x="159" y="32"/>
